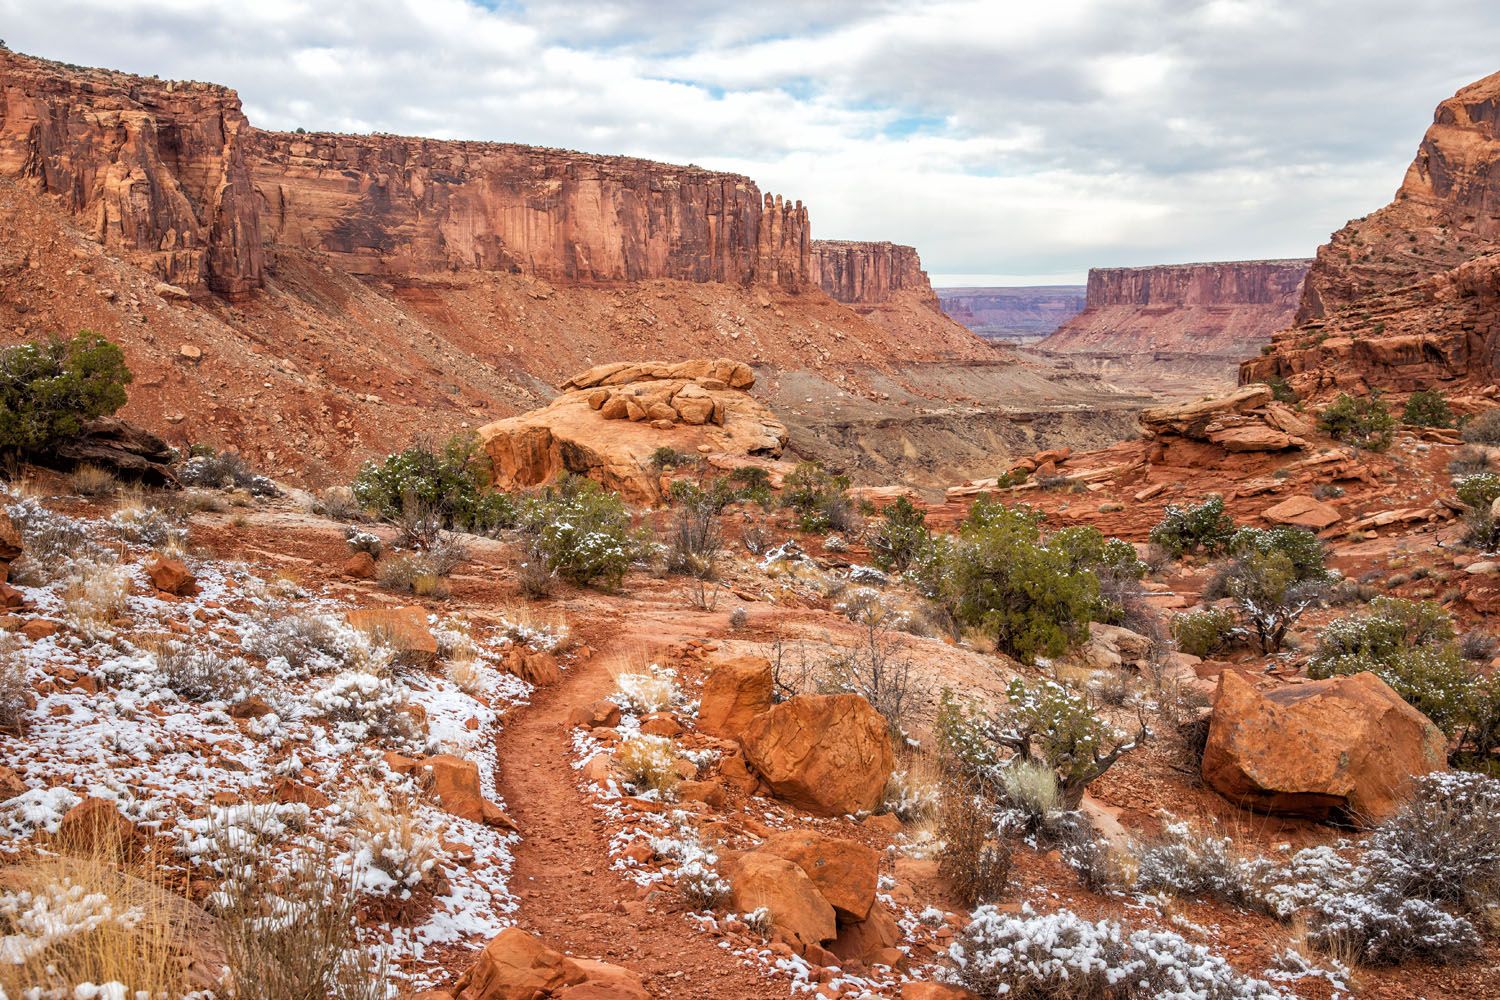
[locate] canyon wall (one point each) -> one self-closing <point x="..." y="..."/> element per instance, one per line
<point x="1020" y="314"/>
<point x="1223" y="309"/>
<point x="1409" y="296"/>
<point x="869" y="273"/>
<point x="172" y="174"/>
<point x="152" y="169"/>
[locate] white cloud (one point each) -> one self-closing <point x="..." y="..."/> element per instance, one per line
<point x="1001" y="138"/>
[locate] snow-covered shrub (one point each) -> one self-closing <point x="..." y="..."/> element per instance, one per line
<point x="701" y="885"/>
<point x="203" y="674"/>
<point x="1061" y="956"/>
<point x="50" y="542"/>
<point x="655" y="690"/>
<point x="582" y="532"/>
<point x="648" y="763"/>
<point x="911" y="795"/>
<point x="15" y="686"/>
<point x="363" y="541"/>
<point x="1377" y="927"/>
<point x="303" y="644"/>
<point x="367" y="706"/>
<point x="1444" y="843"/>
<point x="1193" y="863"/>
<point x="395" y="848"/>
<point x="69" y="923"/>
<point x="149" y="526"/>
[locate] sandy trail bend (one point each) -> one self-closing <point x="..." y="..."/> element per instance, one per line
<point x="568" y="894"/>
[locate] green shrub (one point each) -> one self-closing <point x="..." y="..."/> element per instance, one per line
<point x="1204" y="528"/>
<point x="1270" y="594"/>
<point x="1427" y="408"/>
<point x="1303" y="548"/>
<point x="962" y="745"/>
<point x="1364" y="422"/>
<point x="1015" y="477"/>
<point x="1479" y="491"/>
<point x="998" y="576"/>
<point x="1281" y="390"/>
<point x="718" y="493"/>
<point x="667" y="457"/>
<point x="1483" y="428"/>
<point x="1409" y="645"/>
<point x="48" y="391"/>
<point x="1206" y="633"/>
<point x="582" y="532"/>
<point x="451" y="485"/>
<point x="1052" y="725"/>
<point x="902" y="536"/>
<point x="819" y="498"/>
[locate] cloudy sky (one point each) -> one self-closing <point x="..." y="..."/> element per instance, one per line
<point x="1012" y="143"/>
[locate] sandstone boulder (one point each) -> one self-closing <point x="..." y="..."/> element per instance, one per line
<point x="935" y="991"/>
<point x="1342" y="745"/>
<point x="454" y="782"/>
<point x="513" y="966"/>
<point x="702" y="404"/>
<point x="872" y="940"/>
<point x="10" y="539"/>
<point x="1303" y="512"/>
<point x="171" y="576"/>
<point x="828" y="754"/>
<point x="96" y="827"/>
<point x="798" y="911"/>
<point x="735" y="692"/>
<point x="1192" y="419"/>
<point x="844" y="871"/>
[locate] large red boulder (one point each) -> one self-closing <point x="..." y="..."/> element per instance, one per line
<point x="1342" y="745"/>
<point x="828" y="754"/>
<point x="516" y="965"/>
<point x="797" y="910"/>
<point x="454" y="782"/>
<point x="845" y="871"/>
<point x="735" y="692"/>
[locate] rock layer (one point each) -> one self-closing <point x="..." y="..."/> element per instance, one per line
<point x="1227" y="308"/>
<point x="1013" y="314"/>
<point x="1410" y="294"/>
<point x="174" y="174"/>
<point x="864" y="273"/>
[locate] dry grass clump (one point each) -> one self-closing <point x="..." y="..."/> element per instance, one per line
<point x="914" y="792"/>
<point x="93" y="481"/>
<point x="401" y="845"/>
<point x="973" y="859"/>
<point x="293" y="934"/>
<point x="648" y="763"/>
<point x="98" y="593"/>
<point x="203" y="675"/>
<point x="424" y="573"/>
<point x="69" y="922"/>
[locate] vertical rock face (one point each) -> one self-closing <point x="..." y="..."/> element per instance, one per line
<point x="172" y="174"/>
<point x="1410" y="294"/>
<point x="1020" y="314"/>
<point x="154" y="170"/>
<point x="863" y="273"/>
<point x="1226" y="308"/>
<point x="386" y="205"/>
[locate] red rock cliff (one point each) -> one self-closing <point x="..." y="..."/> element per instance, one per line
<point x="173" y="175"/>
<point x="155" y="170"/>
<point x="1224" y="309"/>
<point x="864" y="273"/>
<point x="386" y="205"/>
<point x="1409" y="294"/>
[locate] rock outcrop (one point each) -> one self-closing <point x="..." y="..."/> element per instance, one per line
<point x="1409" y="295"/>
<point x="1229" y="308"/>
<point x="865" y="273"/>
<point x="1245" y="420"/>
<point x="829" y="754"/>
<point x="516" y="965"/>
<point x="1345" y="745"/>
<point x="611" y="419"/>
<point x="173" y="174"/>
<point x="735" y="692"/>
<point x="1013" y="315"/>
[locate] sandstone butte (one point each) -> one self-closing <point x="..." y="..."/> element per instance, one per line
<point x="1227" y="309"/>
<point x="610" y="420"/>
<point x="1409" y="296"/>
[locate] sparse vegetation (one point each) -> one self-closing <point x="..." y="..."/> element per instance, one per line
<point x="901" y="537"/>
<point x="1427" y="408"/>
<point x="451" y="484"/>
<point x="1482" y="428"/>
<point x="1048" y="724"/>
<point x="1364" y="422"/>
<point x="1206" y="633"/>
<point x="1204" y="528"/>
<point x="50" y="390"/>
<point x="648" y="763"/>
<point x="208" y="467"/>
<point x="819" y="498"/>
<point x="582" y="532"/>
<point x="974" y="859"/>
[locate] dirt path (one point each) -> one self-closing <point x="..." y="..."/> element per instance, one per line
<point x="568" y="893"/>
